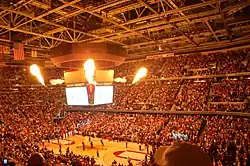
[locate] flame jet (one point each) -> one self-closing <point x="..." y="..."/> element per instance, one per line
<point x="35" y="71"/>
<point x="142" y="72"/>
<point x="89" y="70"/>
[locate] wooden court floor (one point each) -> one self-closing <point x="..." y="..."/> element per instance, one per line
<point x="107" y="154"/>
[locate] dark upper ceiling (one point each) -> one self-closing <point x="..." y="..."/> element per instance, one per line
<point x="143" y="27"/>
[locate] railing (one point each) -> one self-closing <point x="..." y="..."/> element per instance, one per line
<point x="200" y="76"/>
<point x="159" y="112"/>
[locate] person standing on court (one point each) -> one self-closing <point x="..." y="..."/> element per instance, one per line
<point x="147" y="147"/>
<point x="60" y="148"/>
<point x="102" y="142"/>
<point x="83" y="146"/>
<point x="97" y="153"/>
<point x="91" y="144"/>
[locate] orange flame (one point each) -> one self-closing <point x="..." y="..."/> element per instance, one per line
<point x="35" y="71"/>
<point x="142" y="72"/>
<point x="89" y="70"/>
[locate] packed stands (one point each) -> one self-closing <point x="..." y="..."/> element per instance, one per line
<point x="215" y="134"/>
<point x="228" y="91"/>
<point x="27" y="109"/>
<point x="163" y="95"/>
<point x="193" y="96"/>
<point x="160" y="92"/>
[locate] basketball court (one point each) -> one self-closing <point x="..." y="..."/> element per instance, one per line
<point x="111" y="150"/>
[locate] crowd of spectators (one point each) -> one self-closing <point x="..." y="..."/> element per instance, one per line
<point x="131" y="97"/>
<point x="191" y="64"/>
<point x="173" y="67"/>
<point x="227" y="107"/>
<point x="188" y="95"/>
<point x="27" y="118"/>
<point x="193" y="96"/>
<point x="21" y="75"/>
<point x="163" y="95"/>
<point x="27" y="109"/>
<point x="228" y="91"/>
<point x="224" y="138"/>
<point x="129" y="69"/>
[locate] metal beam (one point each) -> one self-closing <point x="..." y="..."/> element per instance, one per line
<point x="209" y="5"/>
<point x="167" y="21"/>
<point x="203" y="47"/>
<point x="46" y="33"/>
<point x="211" y="30"/>
<point x="238" y="8"/>
<point x="192" y="16"/>
<point x="154" y="16"/>
<point x="5" y="12"/>
<point x="129" y="7"/>
<point x="58" y="25"/>
<point x="173" y="6"/>
<point x="113" y="22"/>
<point x="221" y="32"/>
<point x="98" y="8"/>
<point x="5" y="40"/>
<point x="134" y="20"/>
<point x="157" y="26"/>
<point x="46" y="7"/>
<point x="48" y="12"/>
<point x="223" y="18"/>
<point x="33" y="33"/>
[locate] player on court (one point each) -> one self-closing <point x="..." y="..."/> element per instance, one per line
<point x="102" y="142"/>
<point x="83" y="146"/>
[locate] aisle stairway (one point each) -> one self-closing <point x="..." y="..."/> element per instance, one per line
<point x="1" y="78"/>
<point x="162" y="126"/>
<point x="202" y="127"/>
<point x="209" y="99"/>
<point x="144" y="106"/>
<point x="161" y="69"/>
<point x="176" y="96"/>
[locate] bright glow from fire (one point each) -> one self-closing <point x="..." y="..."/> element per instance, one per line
<point x="142" y="72"/>
<point x="35" y="71"/>
<point x="56" y="81"/>
<point x="89" y="70"/>
<point x="120" y="80"/>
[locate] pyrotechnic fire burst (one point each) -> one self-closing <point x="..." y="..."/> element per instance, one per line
<point x="89" y="70"/>
<point x="35" y="71"/>
<point x="142" y="72"/>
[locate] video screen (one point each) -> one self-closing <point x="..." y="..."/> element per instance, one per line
<point x="103" y="95"/>
<point x="77" y="96"/>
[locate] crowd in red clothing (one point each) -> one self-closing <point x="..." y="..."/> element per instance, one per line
<point x="190" y="64"/>
<point x="187" y="95"/>
<point x="27" y="109"/>
<point x="193" y="97"/>
<point x="229" y="91"/>
<point x="224" y="138"/>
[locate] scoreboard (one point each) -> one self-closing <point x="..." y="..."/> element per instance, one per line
<point x="82" y="96"/>
<point x="80" y="93"/>
<point x="103" y="95"/>
<point x="77" y="96"/>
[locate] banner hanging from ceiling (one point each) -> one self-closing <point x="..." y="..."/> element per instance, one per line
<point x="4" y="50"/>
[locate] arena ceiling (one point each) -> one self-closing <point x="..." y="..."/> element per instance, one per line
<point x="143" y="27"/>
